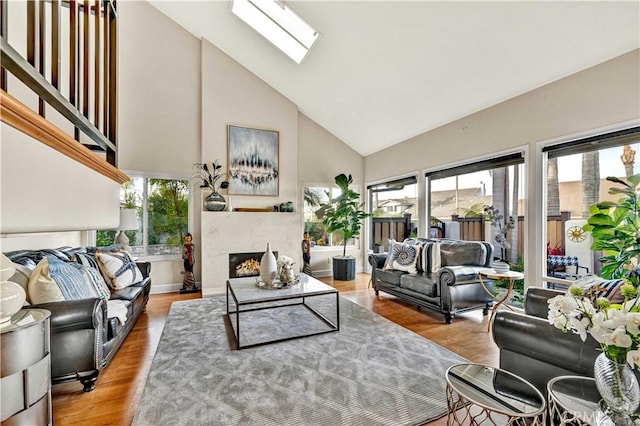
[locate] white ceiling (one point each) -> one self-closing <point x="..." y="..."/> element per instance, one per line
<point x="385" y="71"/>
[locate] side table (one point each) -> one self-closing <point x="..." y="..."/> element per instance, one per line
<point x="510" y="276"/>
<point x="575" y="400"/>
<point x="479" y="394"/>
<point x="25" y="368"/>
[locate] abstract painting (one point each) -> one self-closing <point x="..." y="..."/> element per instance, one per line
<point x="252" y="161"/>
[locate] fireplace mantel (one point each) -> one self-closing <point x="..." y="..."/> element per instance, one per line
<point x="235" y="232"/>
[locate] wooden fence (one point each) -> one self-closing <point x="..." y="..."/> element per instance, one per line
<point x="473" y="229"/>
<point x="384" y="228"/>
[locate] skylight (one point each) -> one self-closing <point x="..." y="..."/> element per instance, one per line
<point x="276" y="22"/>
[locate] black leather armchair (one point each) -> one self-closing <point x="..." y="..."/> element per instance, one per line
<point x="534" y="349"/>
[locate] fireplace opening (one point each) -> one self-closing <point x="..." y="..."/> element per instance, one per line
<point x="245" y="264"/>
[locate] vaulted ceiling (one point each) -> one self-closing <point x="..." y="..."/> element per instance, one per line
<point x="385" y="71"/>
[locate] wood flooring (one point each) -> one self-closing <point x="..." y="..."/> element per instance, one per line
<point x="119" y="386"/>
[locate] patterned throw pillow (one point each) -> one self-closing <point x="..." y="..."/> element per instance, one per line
<point x="119" y="268"/>
<point x="54" y="280"/>
<point x="611" y="289"/>
<point x="404" y="257"/>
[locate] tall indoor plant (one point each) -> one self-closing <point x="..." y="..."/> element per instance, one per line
<point x="615" y="228"/>
<point x="343" y="213"/>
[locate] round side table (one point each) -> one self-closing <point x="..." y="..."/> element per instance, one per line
<point x="25" y="365"/>
<point x="509" y="276"/>
<point x="478" y="394"/>
<point x="575" y="400"/>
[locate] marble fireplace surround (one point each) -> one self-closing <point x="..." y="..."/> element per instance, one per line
<point x="238" y="232"/>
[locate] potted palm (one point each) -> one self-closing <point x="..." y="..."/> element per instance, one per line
<point x="343" y="213"/>
<point x="615" y="228"/>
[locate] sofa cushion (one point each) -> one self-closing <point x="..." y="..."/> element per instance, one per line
<point x="420" y="283"/>
<point x="404" y="257"/>
<point x="462" y="253"/>
<point x="391" y="276"/>
<point x="119" y="268"/>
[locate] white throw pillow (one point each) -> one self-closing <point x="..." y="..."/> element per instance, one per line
<point x="404" y="257"/>
<point x="42" y="288"/>
<point x="120" y="269"/>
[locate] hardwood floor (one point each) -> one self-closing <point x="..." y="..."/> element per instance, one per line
<point x="119" y="387"/>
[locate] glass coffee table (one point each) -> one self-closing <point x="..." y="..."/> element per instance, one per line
<point x="259" y="316"/>
<point x="478" y="394"/>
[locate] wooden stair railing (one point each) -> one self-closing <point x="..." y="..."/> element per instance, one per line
<point x="17" y="115"/>
<point x="92" y="33"/>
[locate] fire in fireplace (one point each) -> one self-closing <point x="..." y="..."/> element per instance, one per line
<point x="245" y="264"/>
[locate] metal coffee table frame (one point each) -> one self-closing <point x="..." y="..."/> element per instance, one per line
<point x="469" y="402"/>
<point x="309" y="287"/>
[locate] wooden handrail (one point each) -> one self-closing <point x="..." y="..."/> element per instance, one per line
<point x="17" y="115"/>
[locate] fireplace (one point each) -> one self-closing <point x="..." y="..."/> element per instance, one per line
<point x="245" y="264"/>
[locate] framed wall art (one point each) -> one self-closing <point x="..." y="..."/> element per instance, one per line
<point x="252" y="162"/>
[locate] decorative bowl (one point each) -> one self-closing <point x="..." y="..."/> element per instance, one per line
<point x="500" y="267"/>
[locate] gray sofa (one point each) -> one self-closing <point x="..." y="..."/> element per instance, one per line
<point x="452" y="288"/>
<point x="83" y="338"/>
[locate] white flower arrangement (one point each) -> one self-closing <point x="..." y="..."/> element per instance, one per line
<point x="285" y="261"/>
<point x="616" y="327"/>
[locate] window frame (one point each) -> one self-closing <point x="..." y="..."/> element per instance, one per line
<point x="592" y="140"/>
<point x="146" y="177"/>
<point x="326" y="248"/>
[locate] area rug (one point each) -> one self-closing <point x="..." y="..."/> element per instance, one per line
<point x="370" y="372"/>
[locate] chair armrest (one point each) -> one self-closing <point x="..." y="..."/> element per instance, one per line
<point x="536" y="301"/>
<point x="76" y="314"/>
<point x="461" y="274"/>
<point x="535" y="338"/>
<point x="145" y="268"/>
<point x="377" y="260"/>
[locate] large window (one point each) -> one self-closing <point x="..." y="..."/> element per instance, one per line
<point x="394" y="211"/>
<point x="162" y="207"/>
<point x="576" y="180"/>
<point x="314" y="197"/>
<point x="483" y="201"/>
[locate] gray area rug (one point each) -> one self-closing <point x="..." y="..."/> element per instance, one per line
<point x="371" y="372"/>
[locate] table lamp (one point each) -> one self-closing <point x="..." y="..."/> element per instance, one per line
<point x="128" y="222"/>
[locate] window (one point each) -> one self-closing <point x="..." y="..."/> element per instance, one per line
<point x="279" y="24"/>
<point x="162" y="207"/>
<point x="463" y="200"/>
<point x="314" y="197"/>
<point x="576" y="173"/>
<point x="394" y="210"/>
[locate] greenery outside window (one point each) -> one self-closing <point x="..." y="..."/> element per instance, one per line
<point x="576" y="180"/>
<point x="465" y="199"/>
<point x="314" y="197"/>
<point x="162" y="207"/>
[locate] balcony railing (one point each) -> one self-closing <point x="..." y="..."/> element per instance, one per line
<point x="65" y="53"/>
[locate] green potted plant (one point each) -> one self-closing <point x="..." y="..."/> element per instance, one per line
<point x="343" y="213"/>
<point x="615" y="228"/>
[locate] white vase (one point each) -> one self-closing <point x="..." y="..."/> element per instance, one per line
<point x="12" y="297"/>
<point x="268" y="266"/>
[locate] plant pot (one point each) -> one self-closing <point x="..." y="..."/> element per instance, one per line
<point x="215" y="202"/>
<point x="344" y="268"/>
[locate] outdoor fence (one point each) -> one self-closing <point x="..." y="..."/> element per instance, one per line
<point x="385" y="228"/>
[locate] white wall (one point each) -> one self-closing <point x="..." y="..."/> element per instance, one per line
<point x="323" y="156"/>
<point x="42" y="190"/>
<point x="598" y="97"/>
<point x="158" y="93"/>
